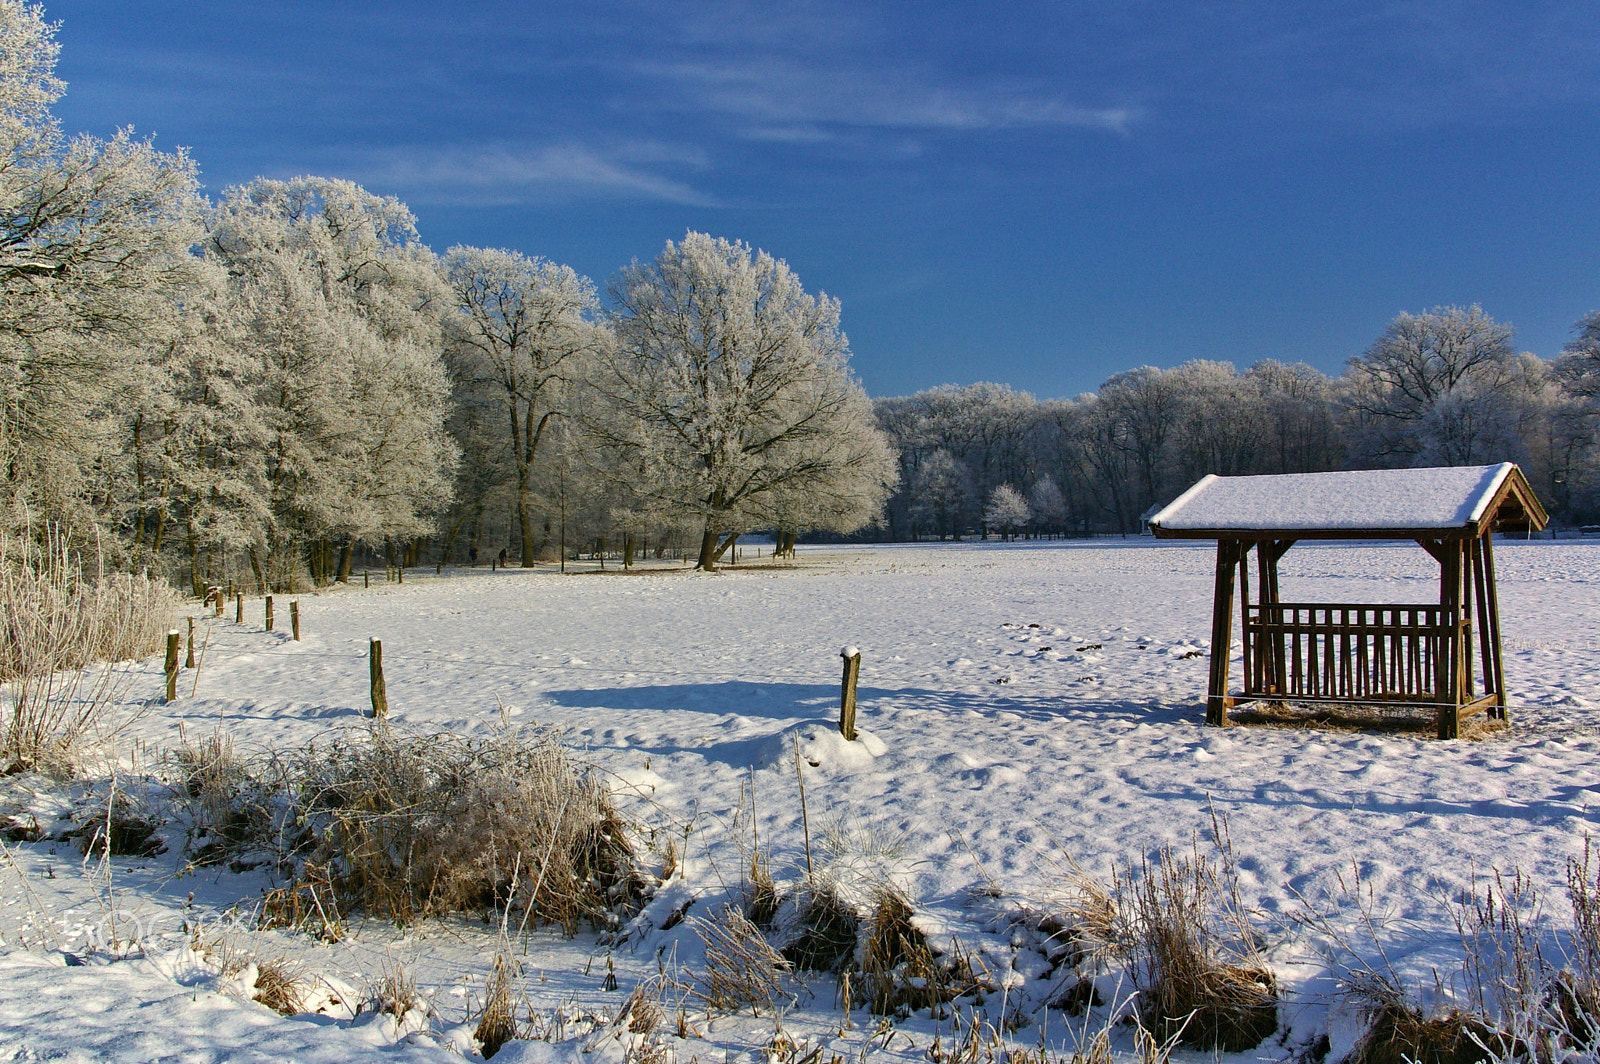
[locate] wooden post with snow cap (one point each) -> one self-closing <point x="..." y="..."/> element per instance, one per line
<point x="380" y="697"/>
<point x="188" y="660"/>
<point x="269" y="613"/>
<point x="172" y="665"/>
<point x="294" y="618"/>
<point x="847" y="693"/>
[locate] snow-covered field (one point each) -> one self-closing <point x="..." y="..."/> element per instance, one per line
<point x="994" y="753"/>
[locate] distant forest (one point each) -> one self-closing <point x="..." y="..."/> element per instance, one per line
<point x="1446" y="387"/>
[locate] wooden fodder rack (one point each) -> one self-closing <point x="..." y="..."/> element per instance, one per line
<point x="1443" y="656"/>
<point x="1375" y="654"/>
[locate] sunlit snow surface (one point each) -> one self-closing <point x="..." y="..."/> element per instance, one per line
<point x="993" y="752"/>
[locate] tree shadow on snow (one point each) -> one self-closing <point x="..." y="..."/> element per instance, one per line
<point x="787" y="704"/>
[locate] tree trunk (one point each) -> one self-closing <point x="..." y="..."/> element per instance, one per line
<point x="195" y="580"/>
<point x="733" y="537"/>
<point x="708" y="550"/>
<point x="258" y="570"/>
<point x="346" y="550"/>
<point x="629" y="545"/>
<point x="525" y="526"/>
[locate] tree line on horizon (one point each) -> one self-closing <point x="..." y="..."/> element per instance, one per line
<point x="288" y="382"/>
<point x="1444" y="387"/>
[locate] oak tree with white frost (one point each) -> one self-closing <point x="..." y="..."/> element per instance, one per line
<point x="523" y="328"/>
<point x="728" y="390"/>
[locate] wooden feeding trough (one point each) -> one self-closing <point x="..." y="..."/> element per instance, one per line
<point x="1420" y="656"/>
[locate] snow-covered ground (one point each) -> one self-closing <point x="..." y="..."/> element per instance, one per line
<point x="1022" y="707"/>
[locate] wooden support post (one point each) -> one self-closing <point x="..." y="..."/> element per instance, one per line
<point x="294" y="618"/>
<point x="366" y="579"/>
<point x="238" y="609"/>
<point x="847" y="693"/>
<point x="172" y="665"/>
<point x="1217" y="701"/>
<point x="400" y="575"/>
<point x="217" y="601"/>
<point x="1491" y="620"/>
<point x="380" y="697"/>
<point x="1446" y="664"/>
<point x="269" y="613"/>
<point x="188" y="661"/>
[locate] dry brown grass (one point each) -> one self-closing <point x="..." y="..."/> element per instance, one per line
<point x="497" y="1022"/>
<point x="742" y="968"/>
<point x="411" y="826"/>
<point x="237" y="806"/>
<point x="900" y="971"/>
<point x="1199" y="977"/>
<point x="1362" y="718"/>
<point x="394" y="991"/>
<point x="281" y="986"/>
<point x="1401" y="1033"/>
<point x="56" y="619"/>
<point x="824" y="932"/>
<point x="123" y="828"/>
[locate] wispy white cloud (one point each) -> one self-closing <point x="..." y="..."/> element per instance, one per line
<point x="780" y="100"/>
<point x="492" y="175"/>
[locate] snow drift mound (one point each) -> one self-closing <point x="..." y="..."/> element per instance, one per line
<point x="821" y="747"/>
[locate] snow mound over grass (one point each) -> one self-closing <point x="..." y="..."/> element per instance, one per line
<point x="821" y="747"/>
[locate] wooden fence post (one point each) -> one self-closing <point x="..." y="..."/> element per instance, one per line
<point x="366" y="579"/>
<point x="380" y="697"/>
<point x="172" y="665"/>
<point x="217" y="600"/>
<point x="294" y="618"/>
<point x="269" y="613"/>
<point x="847" y="693"/>
<point x="188" y="661"/>
<point x="238" y="609"/>
<point x="400" y="575"/>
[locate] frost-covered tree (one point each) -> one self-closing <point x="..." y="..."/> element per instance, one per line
<point x="1007" y="511"/>
<point x="523" y="329"/>
<point x="1426" y="391"/>
<point x="95" y="240"/>
<point x="940" y="490"/>
<point x="339" y="304"/>
<point x="728" y="384"/>
<point x="1047" y="505"/>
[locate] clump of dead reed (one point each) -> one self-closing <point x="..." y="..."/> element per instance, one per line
<point x="58" y="616"/>
<point x="901" y="972"/>
<point x="743" y="970"/>
<point x="819" y="929"/>
<point x="1201" y="981"/>
<point x="417" y="825"/>
<point x="497" y="1022"/>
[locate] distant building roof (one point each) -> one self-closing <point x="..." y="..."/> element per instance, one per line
<point x="1355" y="504"/>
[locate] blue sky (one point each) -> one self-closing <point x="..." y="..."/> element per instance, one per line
<point x="1035" y="193"/>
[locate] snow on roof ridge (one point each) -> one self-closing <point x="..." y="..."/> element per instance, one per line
<point x="1343" y="500"/>
<point x="1502" y="471"/>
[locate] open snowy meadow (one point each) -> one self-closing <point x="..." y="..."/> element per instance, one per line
<point x="1025" y="710"/>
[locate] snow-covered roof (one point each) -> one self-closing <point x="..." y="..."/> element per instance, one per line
<point x="1355" y="503"/>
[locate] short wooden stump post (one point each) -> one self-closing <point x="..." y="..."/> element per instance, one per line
<point x="188" y="659"/>
<point x="172" y="665"/>
<point x="380" y="696"/>
<point x="238" y="609"/>
<point x="294" y="618"/>
<point x="847" y="693"/>
<point x="269" y="613"/>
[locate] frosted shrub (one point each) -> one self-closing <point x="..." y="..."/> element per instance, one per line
<point x="409" y="826"/>
<point x="57" y="621"/>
